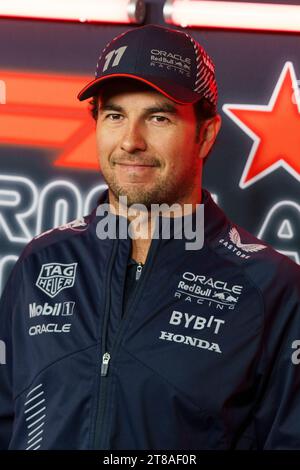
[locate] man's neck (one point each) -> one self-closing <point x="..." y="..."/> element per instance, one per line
<point x="141" y="245"/>
<point x="140" y="249"/>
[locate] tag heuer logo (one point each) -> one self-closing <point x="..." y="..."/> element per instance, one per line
<point x="54" y="277"/>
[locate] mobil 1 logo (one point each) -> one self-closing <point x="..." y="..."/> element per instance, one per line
<point x="59" y="308"/>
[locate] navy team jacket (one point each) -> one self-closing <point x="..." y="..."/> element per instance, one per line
<point x="205" y="356"/>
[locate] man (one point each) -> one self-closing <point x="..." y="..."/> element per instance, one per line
<point x="119" y="342"/>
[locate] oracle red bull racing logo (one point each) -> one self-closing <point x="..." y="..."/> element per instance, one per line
<point x="54" y="277"/>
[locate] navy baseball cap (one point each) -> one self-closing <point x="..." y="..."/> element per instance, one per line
<point x="168" y="60"/>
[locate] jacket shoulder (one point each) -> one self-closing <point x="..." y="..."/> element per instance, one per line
<point x="259" y="260"/>
<point x="58" y="234"/>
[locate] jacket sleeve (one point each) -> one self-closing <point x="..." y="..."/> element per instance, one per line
<point x="7" y="303"/>
<point x="277" y="416"/>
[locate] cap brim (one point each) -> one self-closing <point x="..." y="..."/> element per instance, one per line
<point x="173" y="91"/>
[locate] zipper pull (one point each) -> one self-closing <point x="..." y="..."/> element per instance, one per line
<point x="104" y="365"/>
<point x="139" y="270"/>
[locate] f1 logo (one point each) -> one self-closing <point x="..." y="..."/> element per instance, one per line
<point x="118" y="53"/>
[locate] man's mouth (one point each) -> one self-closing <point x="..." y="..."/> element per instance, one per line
<point x="135" y="164"/>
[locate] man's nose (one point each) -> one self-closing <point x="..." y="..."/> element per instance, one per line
<point x="133" y="138"/>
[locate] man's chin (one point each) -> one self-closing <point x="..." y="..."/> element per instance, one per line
<point x="137" y="195"/>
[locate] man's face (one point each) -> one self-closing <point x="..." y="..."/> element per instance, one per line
<point x="146" y="145"/>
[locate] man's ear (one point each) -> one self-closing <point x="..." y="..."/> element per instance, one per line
<point x="208" y="134"/>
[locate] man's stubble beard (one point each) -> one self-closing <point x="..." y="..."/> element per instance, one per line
<point x="164" y="191"/>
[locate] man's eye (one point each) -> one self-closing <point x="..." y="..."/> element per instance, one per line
<point x="160" y="118"/>
<point x="113" y="117"/>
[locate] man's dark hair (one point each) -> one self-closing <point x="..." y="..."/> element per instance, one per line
<point x="203" y="110"/>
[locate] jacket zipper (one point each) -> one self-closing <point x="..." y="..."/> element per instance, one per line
<point x="138" y="272"/>
<point x="105" y="363"/>
<point x="105" y="355"/>
<point x="100" y="435"/>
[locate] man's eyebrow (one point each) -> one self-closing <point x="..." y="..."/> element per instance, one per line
<point x="110" y="107"/>
<point x="158" y="108"/>
<point x="162" y="108"/>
